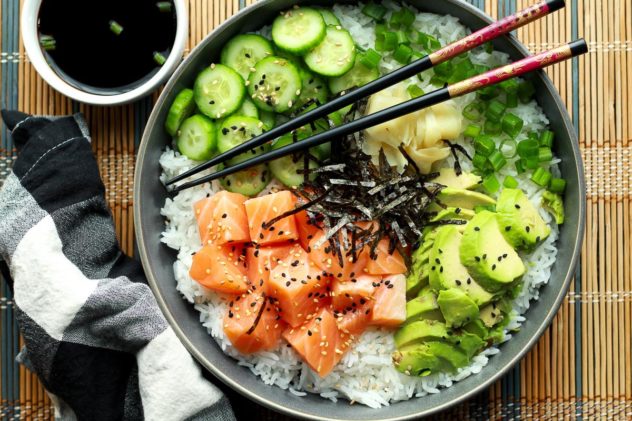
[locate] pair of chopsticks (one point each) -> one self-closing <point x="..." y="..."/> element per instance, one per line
<point x="466" y="86"/>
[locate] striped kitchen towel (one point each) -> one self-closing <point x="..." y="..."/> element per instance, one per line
<point x="93" y="332"/>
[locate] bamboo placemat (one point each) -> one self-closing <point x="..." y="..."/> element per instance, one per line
<point x="582" y="365"/>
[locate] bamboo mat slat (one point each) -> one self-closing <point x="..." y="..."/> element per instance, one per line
<point x="581" y="367"/>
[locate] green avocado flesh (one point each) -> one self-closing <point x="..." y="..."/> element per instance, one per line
<point x="464" y="275"/>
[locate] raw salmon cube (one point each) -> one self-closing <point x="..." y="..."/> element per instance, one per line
<point x="298" y="287"/>
<point x="263" y="209"/>
<point x="251" y="323"/>
<point x="390" y="302"/>
<point x="355" y="320"/>
<point x="325" y="258"/>
<point x="348" y="293"/>
<point x="261" y="260"/>
<point x="319" y="342"/>
<point x="222" y="218"/>
<point x="306" y="227"/>
<point x="385" y="263"/>
<point x="220" y="268"/>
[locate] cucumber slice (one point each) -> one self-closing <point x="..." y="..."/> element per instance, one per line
<point x="182" y="107"/>
<point x="197" y="138"/>
<point x="335" y="55"/>
<point x="313" y="88"/>
<point x="242" y="52"/>
<point x="329" y="17"/>
<point x="268" y="118"/>
<point x="234" y="131"/>
<point x="358" y="75"/>
<point x="298" y="30"/>
<point x="218" y="91"/>
<point x="249" y="182"/>
<point x="285" y="169"/>
<point x="275" y="84"/>
<point x="248" y="109"/>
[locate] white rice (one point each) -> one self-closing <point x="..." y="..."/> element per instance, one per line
<point x="366" y="374"/>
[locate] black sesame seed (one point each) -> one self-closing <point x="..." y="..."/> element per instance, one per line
<point x="287" y="284"/>
<point x="441" y="269"/>
<point x="478" y="259"/>
<point x="458" y="282"/>
<point x="527" y="228"/>
<point x="390" y="286"/>
<point x="507" y="228"/>
<point x="225" y="131"/>
<point x="494" y="266"/>
<point x="477" y="229"/>
<point x="517" y="206"/>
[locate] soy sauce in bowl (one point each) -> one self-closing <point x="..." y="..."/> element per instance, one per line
<point x="106" y="46"/>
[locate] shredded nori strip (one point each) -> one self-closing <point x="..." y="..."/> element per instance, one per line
<point x="454" y="148"/>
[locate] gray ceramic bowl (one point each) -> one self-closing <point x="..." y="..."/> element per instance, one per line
<point x="149" y="196"/>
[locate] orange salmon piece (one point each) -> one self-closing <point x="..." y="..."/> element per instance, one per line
<point x="319" y="342"/>
<point x="222" y="218"/>
<point x="355" y="320"/>
<point x="324" y="257"/>
<point x="265" y="208"/>
<point x="243" y="312"/>
<point x="260" y="262"/>
<point x="306" y="228"/>
<point x="385" y="263"/>
<point x="298" y="287"/>
<point x="220" y="268"/>
<point x="390" y="302"/>
<point x="348" y="293"/>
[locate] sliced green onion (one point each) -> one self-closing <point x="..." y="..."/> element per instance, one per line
<point x="509" y="148"/>
<point x="428" y="42"/>
<point x="546" y="139"/>
<point x="402" y="38"/>
<point x="495" y="111"/>
<point x="472" y="130"/>
<point x="416" y="55"/>
<point x="414" y="91"/>
<point x="511" y="99"/>
<point x="159" y="58"/>
<point x="520" y="166"/>
<point x="437" y="81"/>
<point x="402" y="53"/>
<point x="509" y="85"/>
<point x="484" y="145"/>
<point x="488" y="93"/>
<point x="545" y="154"/>
<point x="386" y="41"/>
<point x="116" y="27"/>
<point x="472" y="111"/>
<point x="48" y="42"/>
<point x="371" y="58"/>
<point x="526" y="91"/>
<point x="380" y="28"/>
<point x="491" y="184"/>
<point x="479" y="162"/>
<point x="541" y="177"/>
<point x="510" y="182"/>
<point x="492" y="127"/>
<point x="481" y="68"/>
<point x="444" y="70"/>
<point x="402" y="17"/>
<point x="375" y="11"/>
<point x="557" y="185"/>
<point x="164" y="6"/>
<point x="512" y="124"/>
<point x="532" y="163"/>
<point x="528" y="148"/>
<point x="497" y="160"/>
<point x="488" y="47"/>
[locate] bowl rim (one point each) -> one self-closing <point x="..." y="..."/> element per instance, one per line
<point x="550" y="312"/>
<point x="28" y="30"/>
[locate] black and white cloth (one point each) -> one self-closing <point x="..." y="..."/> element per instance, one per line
<point x="92" y="329"/>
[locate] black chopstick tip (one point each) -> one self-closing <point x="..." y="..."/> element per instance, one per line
<point x="578" y="47"/>
<point x="555" y="5"/>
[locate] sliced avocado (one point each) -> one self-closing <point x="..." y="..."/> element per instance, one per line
<point x="478" y="328"/>
<point x="491" y="315"/>
<point x="554" y="204"/>
<point x="450" y="353"/>
<point x="464" y="199"/>
<point x="449" y="272"/>
<point x="488" y="257"/>
<point x="420" y="331"/>
<point x="520" y="222"/>
<point x="469" y="343"/>
<point x="418" y="360"/>
<point x="457" y="308"/>
<point x="453" y="214"/>
<point x="424" y="306"/>
<point x="447" y="177"/>
<point x="418" y="274"/>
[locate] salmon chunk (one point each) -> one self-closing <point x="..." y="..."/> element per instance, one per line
<point x="263" y="209"/>
<point x="220" y="268"/>
<point x="222" y="218"/>
<point x="390" y="302"/>
<point x="384" y="262"/>
<point x="261" y="260"/>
